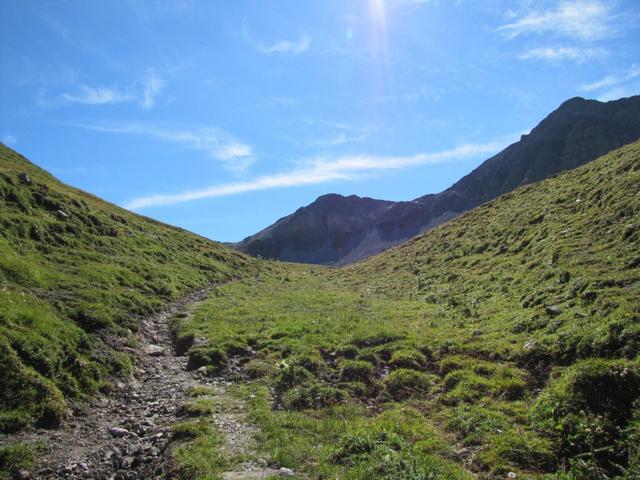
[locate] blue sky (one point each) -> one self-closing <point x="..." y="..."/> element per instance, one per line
<point x="223" y="116"/>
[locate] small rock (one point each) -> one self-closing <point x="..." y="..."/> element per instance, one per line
<point x="120" y="432"/>
<point x="25" y="180"/>
<point x="61" y="214"/>
<point x="154" y="350"/>
<point x="530" y="345"/>
<point x="511" y="475"/>
<point x="22" y="474"/>
<point x="285" y="472"/>
<point x="552" y="310"/>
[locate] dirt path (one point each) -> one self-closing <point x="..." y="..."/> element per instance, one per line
<point x="125" y="435"/>
<point x="239" y="438"/>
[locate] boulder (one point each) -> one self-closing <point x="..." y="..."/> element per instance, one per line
<point x="24" y="179"/>
<point x="552" y="310"/>
<point x="154" y="350"/>
<point x="121" y="432"/>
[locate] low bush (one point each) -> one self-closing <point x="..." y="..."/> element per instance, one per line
<point x="314" y="395"/>
<point x="587" y="412"/>
<point x="291" y="376"/>
<point x="404" y="383"/>
<point x="356" y="371"/>
<point x="312" y="361"/>
<point x="407" y="358"/>
<point x="259" y="368"/>
<point x="206" y="357"/>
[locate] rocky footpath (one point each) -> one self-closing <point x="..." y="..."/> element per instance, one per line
<point x="124" y="435"/>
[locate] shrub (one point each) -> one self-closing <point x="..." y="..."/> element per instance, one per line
<point x="200" y="391"/>
<point x="353" y="445"/>
<point x="450" y="364"/>
<point x="369" y="357"/>
<point x="348" y="351"/>
<point x="183" y="342"/>
<point x="25" y="395"/>
<point x="16" y="457"/>
<point x="311" y="396"/>
<point x="200" y="407"/>
<point x="188" y="430"/>
<point x="93" y="316"/>
<point x="385" y="455"/>
<point x="464" y="386"/>
<point x="588" y="410"/>
<point x="404" y="383"/>
<point x="291" y="376"/>
<point x="509" y="387"/>
<point x="407" y="358"/>
<point x="309" y="360"/>
<point x="233" y="348"/>
<point x="356" y="371"/>
<point x="204" y="356"/>
<point x="259" y="368"/>
<point x="521" y="448"/>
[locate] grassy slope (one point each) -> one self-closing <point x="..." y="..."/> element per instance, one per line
<point x="505" y="340"/>
<point x="72" y="288"/>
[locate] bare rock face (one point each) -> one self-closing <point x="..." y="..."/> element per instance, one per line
<point x="62" y="215"/>
<point x="24" y="178"/>
<point x="336" y="229"/>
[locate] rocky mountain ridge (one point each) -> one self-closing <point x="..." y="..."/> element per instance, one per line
<point x="337" y="230"/>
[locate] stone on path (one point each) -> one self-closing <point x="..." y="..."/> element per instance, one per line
<point x="154" y="350"/>
<point x="121" y="432"/>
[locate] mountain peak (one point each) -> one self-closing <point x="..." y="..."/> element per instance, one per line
<point x="337" y="228"/>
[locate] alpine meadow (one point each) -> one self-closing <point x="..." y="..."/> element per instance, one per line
<point x="379" y="239"/>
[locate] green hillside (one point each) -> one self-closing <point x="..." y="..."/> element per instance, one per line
<point x="75" y="274"/>
<point x="504" y="342"/>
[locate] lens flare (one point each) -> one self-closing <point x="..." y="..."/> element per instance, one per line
<point x="379" y="40"/>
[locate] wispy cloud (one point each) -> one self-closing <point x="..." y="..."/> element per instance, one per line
<point x="143" y="92"/>
<point x="294" y="47"/>
<point x="340" y="134"/>
<point x="9" y="139"/>
<point x="613" y="87"/>
<point x="96" y="96"/>
<point x="286" y="46"/>
<point x="612" y="80"/>
<point x="151" y="86"/>
<point x="336" y="139"/>
<point x="558" y="54"/>
<point x="215" y="142"/>
<point x="410" y="96"/>
<point x="579" y="19"/>
<point x="320" y="170"/>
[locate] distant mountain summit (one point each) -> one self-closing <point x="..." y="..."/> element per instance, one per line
<point x="322" y="232"/>
<point x="336" y="230"/>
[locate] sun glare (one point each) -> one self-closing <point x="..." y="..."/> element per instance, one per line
<point x="379" y="38"/>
